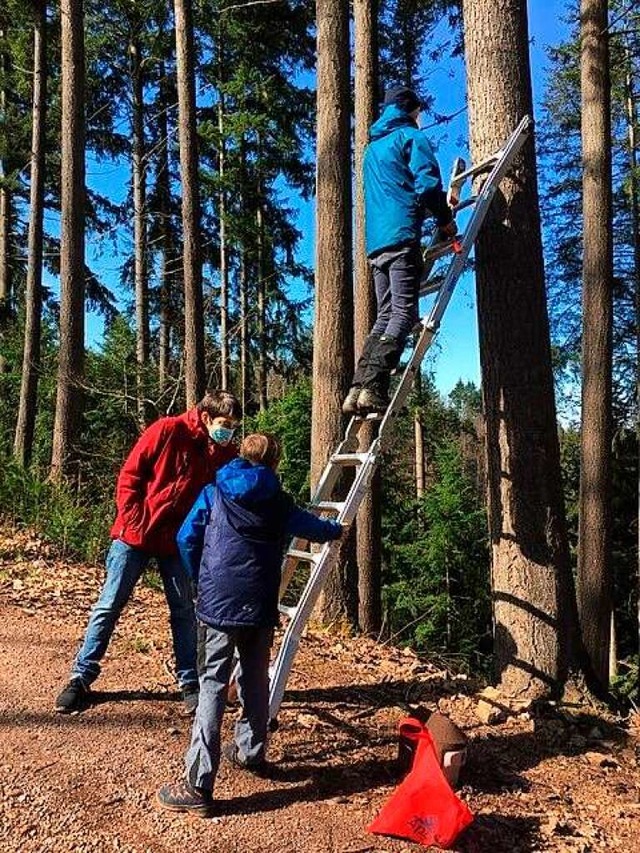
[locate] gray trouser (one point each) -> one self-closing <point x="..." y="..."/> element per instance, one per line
<point x="396" y="276"/>
<point x="215" y="662"/>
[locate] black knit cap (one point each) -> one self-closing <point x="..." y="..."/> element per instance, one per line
<point x="403" y="97"/>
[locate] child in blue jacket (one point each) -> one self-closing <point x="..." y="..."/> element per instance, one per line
<point x="231" y="543"/>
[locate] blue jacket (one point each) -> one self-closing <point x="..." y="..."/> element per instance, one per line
<point x="232" y="542"/>
<point x="402" y="183"/>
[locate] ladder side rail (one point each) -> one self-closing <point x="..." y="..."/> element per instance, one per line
<point x="284" y="659"/>
<point x="483" y="204"/>
<point x="323" y="490"/>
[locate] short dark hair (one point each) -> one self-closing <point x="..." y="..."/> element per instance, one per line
<point x="261" y="448"/>
<point x="220" y="404"/>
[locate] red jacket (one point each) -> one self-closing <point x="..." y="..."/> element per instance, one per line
<point x="163" y="475"/>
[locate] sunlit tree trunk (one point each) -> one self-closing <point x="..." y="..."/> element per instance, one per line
<point x="530" y="562"/>
<point x="333" y="325"/>
<point x="369" y="521"/>
<point x="594" y="580"/>
<point x="72" y="270"/>
<point x="192" y="267"/>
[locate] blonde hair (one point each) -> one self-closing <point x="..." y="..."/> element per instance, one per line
<point x="261" y="448"/>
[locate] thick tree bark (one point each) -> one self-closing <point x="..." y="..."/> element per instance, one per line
<point x="23" y="442"/>
<point x="333" y="327"/>
<point x="192" y="267"/>
<point x="594" y="540"/>
<point x="530" y="562"/>
<point x="72" y="271"/>
<point x="369" y="521"/>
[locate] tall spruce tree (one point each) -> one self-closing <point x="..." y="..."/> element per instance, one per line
<point x="530" y="562"/>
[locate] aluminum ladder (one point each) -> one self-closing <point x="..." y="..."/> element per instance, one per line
<point x="363" y="463"/>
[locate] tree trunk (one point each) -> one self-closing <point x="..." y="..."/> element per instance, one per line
<point x="333" y="328"/>
<point x="530" y="562"/>
<point x="139" y="227"/>
<point x="635" y="230"/>
<point x="369" y="521"/>
<point x="419" y="451"/>
<point x="23" y="442"/>
<point x="224" y="266"/>
<point x="72" y="271"/>
<point x="263" y="400"/>
<point x="5" y="200"/>
<point x="167" y="263"/>
<point x="594" y="579"/>
<point x="244" y="336"/>
<point x="192" y="267"/>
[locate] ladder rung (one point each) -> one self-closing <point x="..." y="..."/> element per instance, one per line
<point x="349" y="458"/>
<point x="331" y="506"/>
<point x="289" y="612"/>
<point x="306" y="556"/>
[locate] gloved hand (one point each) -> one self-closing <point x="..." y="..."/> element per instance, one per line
<point x="446" y="232"/>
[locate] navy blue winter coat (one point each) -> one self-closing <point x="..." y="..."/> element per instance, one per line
<point x="402" y="182"/>
<point x="232" y="542"/>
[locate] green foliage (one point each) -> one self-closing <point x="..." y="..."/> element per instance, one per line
<point x="75" y="523"/>
<point x="290" y="419"/>
<point x="438" y="594"/>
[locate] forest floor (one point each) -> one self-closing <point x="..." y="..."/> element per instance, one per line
<point x="567" y="779"/>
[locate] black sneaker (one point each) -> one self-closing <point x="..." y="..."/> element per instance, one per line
<point x="182" y="797"/>
<point x="230" y="752"/>
<point x="73" y="698"/>
<point x="190" y="697"/>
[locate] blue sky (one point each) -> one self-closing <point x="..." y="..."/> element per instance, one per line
<point x="454" y="355"/>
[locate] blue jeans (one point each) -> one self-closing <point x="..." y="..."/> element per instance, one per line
<point x="125" y="565"/>
<point x="215" y="662"/>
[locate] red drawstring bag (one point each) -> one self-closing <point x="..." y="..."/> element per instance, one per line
<point x="423" y="807"/>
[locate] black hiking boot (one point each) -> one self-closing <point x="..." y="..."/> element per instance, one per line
<point x="182" y="797"/>
<point x="73" y="698"/>
<point x="371" y="401"/>
<point x="190" y="697"/>
<point x="350" y="405"/>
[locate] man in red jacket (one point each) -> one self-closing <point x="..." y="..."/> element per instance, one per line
<point x="158" y="484"/>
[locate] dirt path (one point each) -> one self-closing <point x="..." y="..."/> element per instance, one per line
<point x="564" y="782"/>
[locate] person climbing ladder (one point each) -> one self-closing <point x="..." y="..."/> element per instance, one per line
<point x="402" y="186"/>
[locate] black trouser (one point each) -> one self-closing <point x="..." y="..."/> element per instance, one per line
<point x="396" y="274"/>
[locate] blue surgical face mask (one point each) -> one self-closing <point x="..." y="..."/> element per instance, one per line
<point x="221" y="435"/>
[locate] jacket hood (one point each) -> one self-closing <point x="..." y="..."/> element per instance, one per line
<point x="392" y="118"/>
<point x="247" y="484"/>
